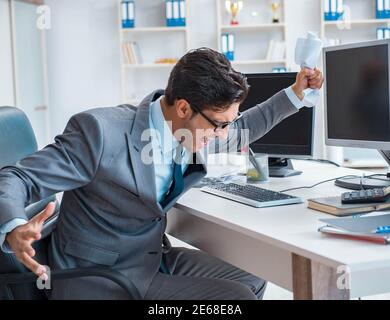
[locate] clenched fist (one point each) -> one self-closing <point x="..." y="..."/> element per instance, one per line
<point x="307" y="78"/>
<point x="21" y="239"/>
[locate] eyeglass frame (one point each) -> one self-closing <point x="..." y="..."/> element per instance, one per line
<point x="218" y="126"/>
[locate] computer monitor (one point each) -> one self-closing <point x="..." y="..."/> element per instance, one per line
<point x="357" y="104"/>
<point x="293" y="137"/>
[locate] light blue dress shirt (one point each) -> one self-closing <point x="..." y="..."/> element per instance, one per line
<point x="164" y="145"/>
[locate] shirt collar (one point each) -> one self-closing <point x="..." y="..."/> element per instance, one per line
<point x="165" y="138"/>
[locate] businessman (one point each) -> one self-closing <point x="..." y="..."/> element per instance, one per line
<point x="120" y="182"/>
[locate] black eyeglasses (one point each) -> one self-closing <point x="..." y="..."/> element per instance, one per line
<point x="218" y="126"/>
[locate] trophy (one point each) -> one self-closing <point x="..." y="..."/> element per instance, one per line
<point x="275" y="7"/>
<point x="234" y="7"/>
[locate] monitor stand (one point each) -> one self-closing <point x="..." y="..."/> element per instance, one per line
<point x="281" y="168"/>
<point x="366" y="182"/>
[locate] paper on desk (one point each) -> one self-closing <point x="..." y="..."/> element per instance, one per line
<point x="307" y="53"/>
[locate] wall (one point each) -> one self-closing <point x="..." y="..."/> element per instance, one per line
<point x="83" y="51"/>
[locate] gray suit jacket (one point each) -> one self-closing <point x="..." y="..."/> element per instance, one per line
<point x="109" y="213"/>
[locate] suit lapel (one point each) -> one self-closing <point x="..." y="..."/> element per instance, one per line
<point x="144" y="172"/>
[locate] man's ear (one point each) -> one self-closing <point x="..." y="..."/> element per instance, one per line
<point x="183" y="109"/>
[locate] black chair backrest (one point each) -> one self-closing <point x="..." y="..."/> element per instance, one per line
<point x="17" y="141"/>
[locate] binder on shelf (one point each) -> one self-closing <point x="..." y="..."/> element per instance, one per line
<point x="327" y="15"/>
<point x="386" y="32"/>
<point x="380" y="34"/>
<point x="182" y="13"/>
<point x="339" y="10"/>
<point x="333" y="9"/>
<point x="231" y="46"/>
<point x="383" y="33"/>
<point x="279" y="69"/>
<point x="224" y="44"/>
<point x="386" y="7"/>
<point x="128" y="14"/>
<point x="176" y="12"/>
<point x="169" y="13"/>
<point x="380" y="9"/>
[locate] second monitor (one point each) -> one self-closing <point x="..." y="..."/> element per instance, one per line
<point x="293" y="137"/>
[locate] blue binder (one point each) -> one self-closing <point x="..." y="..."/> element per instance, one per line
<point x="128" y="14"/>
<point x="327" y="15"/>
<point x="386" y="8"/>
<point x="231" y="46"/>
<point x="169" y="12"/>
<point x="182" y="13"/>
<point x="340" y="9"/>
<point x="224" y="44"/>
<point x="176" y="13"/>
<point x="380" y="9"/>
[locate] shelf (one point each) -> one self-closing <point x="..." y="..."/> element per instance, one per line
<point x="362" y="22"/>
<point x="249" y="62"/>
<point x="148" y="65"/>
<point x="154" y="29"/>
<point x="252" y="27"/>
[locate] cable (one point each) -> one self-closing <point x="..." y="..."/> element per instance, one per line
<point x="321" y="182"/>
<point x="348" y="176"/>
<point x="322" y="161"/>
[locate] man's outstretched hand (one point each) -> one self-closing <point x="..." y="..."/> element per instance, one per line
<point x="307" y="78"/>
<point x="21" y="239"/>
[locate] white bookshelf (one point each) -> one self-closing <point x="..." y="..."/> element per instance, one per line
<point x="150" y="31"/>
<point x="253" y="34"/>
<point x="360" y="26"/>
<point x="359" y="23"/>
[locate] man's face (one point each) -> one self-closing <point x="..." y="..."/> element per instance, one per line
<point x="203" y="130"/>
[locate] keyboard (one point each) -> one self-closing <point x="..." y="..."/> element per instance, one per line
<point x="251" y="195"/>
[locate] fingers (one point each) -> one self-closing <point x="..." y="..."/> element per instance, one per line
<point x="44" y="215"/>
<point x="316" y="83"/>
<point x="34" y="266"/>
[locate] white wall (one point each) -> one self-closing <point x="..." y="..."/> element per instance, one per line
<point x="83" y="51"/>
<point x="83" y="58"/>
<point x="6" y="73"/>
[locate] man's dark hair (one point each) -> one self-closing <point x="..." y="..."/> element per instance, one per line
<point x="206" y="79"/>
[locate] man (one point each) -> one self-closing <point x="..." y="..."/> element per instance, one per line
<point x="118" y="185"/>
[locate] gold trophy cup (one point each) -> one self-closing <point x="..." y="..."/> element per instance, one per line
<point x="234" y="7"/>
<point x="275" y="7"/>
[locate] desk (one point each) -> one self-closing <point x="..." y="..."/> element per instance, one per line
<point x="282" y="244"/>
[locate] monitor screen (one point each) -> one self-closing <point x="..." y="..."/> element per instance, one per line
<point x="357" y="94"/>
<point x="294" y="135"/>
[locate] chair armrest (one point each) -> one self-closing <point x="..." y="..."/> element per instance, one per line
<point x="113" y="275"/>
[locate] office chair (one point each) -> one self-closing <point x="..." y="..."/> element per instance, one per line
<point x="17" y="140"/>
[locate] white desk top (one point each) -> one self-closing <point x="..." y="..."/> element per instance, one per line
<point x="294" y="227"/>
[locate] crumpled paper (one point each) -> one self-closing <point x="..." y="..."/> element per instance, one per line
<point x="307" y="54"/>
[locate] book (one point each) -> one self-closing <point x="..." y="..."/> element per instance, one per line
<point x="132" y="53"/>
<point x="333" y="205"/>
<point x="276" y="50"/>
<point x="371" y="228"/>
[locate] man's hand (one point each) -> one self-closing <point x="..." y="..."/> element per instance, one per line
<point x="307" y="78"/>
<point x="21" y="239"/>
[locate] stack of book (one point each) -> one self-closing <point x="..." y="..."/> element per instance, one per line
<point x="131" y="53"/>
<point x="276" y="50"/>
<point x="333" y="205"/>
<point x="374" y="228"/>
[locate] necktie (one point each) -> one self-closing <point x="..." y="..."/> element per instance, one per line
<point x="177" y="185"/>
